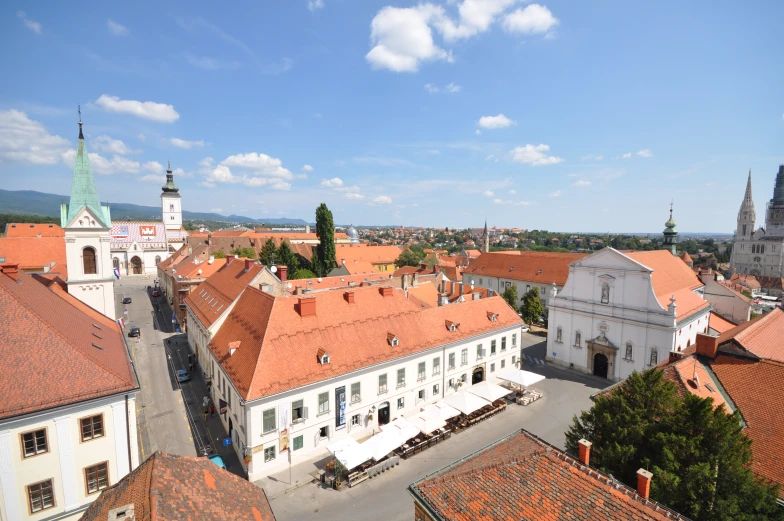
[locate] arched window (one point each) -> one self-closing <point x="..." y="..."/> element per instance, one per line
<point x="688" y="343"/>
<point x="654" y="356"/>
<point x="135" y="247"/>
<point x="115" y="263"/>
<point x="558" y="333"/>
<point x="628" y="355"/>
<point x="88" y="261"/>
<point x="157" y="259"/>
<point x="577" y="339"/>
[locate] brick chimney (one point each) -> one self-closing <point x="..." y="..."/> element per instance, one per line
<point x="248" y="264"/>
<point x="707" y="345"/>
<point x="584" y="448"/>
<point x="644" y="483"/>
<point x="307" y="307"/>
<point x="349" y="296"/>
<point x="283" y="273"/>
<point x="12" y="270"/>
<point x="229" y="258"/>
<point x="386" y="291"/>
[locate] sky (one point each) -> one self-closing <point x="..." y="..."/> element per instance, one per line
<point x="564" y="116"/>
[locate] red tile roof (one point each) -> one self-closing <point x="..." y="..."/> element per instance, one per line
<point x="690" y="375"/>
<point x="34" y="253"/>
<point x="359" y="267"/>
<point x="522" y="477"/>
<point x="763" y="336"/>
<point x="719" y="324"/>
<point x="364" y="252"/>
<point x="528" y="266"/>
<point x="749" y="281"/>
<point x="58" y="352"/>
<point x="33" y="230"/>
<point x="338" y="281"/>
<point x="173" y="488"/>
<point x="278" y="346"/>
<point x="213" y="297"/>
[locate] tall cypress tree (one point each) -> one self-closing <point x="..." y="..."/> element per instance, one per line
<point x="268" y="253"/>
<point x="287" y="257"/>
<point x="324" y="254"/>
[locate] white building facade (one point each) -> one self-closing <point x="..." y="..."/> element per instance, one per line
<point x="138" y="247"/>
<point x="616" y="314"/>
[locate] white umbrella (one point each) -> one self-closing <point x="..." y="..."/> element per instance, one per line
<point x="380" y="445"/>
<point x="441" y="410"/>
<point x="465" y="402"/>
<point x="349" y="453"/>
<point x="404" y="428"/>
<point x="520" y="377"/>
<point x="488" y="391"/>
<point x="427" y="423"/>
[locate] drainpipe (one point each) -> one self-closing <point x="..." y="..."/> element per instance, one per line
<point x="128" y="434"/>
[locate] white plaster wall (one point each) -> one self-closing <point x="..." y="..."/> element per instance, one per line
<point x="149" y="266"/>
<point x="172" y="218"/>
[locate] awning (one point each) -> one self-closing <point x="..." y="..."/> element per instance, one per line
<point x="404" y="428"/>
<point x="488" y="391"/>
<point x="465" y="402"/>
<point x="520" y="377"/>
<point x="427" y="423"/>
<point x="380" y="445"/>
<point x="348" y="452"/>
<point x="441" y="410"/>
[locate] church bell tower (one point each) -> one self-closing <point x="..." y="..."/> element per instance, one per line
<point x="746" y="215"/>
<point x="171" y="203"/>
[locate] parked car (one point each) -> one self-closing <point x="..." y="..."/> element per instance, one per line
<point x="126" y="300"/>
<point x="134" y="332"/>
<point x="156" y="293"/>
<point x="215" y="458"/>
<point x="183" y="376"/>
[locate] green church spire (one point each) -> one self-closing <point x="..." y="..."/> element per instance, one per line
<point x="83" y="189"/>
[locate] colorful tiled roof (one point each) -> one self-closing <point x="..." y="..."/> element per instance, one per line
<point x="528" y="266"/>
<point x="125" y="233"/>
<point x="33" y="230"/>
<point x="173" y="488"/>
<point x="522" y="477"/>
<point x="763" y="336"/>
<point x="35" y="253"/>
<point x="750" y="281"/>
<point x="213" y="297"/>
<point x="58" y="353"/>
<point x="278" y="345"/>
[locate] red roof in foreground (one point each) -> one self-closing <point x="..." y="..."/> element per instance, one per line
<point x="522" y="477"/>
<point x="763" y="336"/>
<point x="57" y="352"/>
<point x="174" y="488"/>
<point x="34" y="253"/>
<point x="528" y="266"/>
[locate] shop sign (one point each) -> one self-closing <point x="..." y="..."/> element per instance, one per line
<point x="340" y="408"/>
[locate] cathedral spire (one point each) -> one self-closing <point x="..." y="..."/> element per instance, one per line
<point x="170" y="187"/>
<point x="778" y="191"/>
<point x="83" y="190"/>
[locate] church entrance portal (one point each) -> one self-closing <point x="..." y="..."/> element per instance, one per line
<point x="600" y="365"/>
<point x="136" y="266"/>
<point x="478" y="375"/>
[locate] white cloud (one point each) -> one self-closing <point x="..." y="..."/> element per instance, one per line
<point x="30" y="24"/>
<point x="153" y="178"/>
<point x="382" y="199"/>
<point x="557" y="193"/>
<point x="512" y="191"/>
<point x="354" y="196"/>
<point x="627" y="155"/>
<point x="263" y="171"/>
<point x="24" y="140"/>
<point x="262" y="164"/>
<point x="513" y="203"/>
<point x="488" y="193"/>
<point x="141" y="137"/>
<point x="402" y="38"/>
<point x="113" y="146"/>
<point x="534" y="19"/>
<point x="534" y="155"/>
<point x="478" y="132"/>
<point x="315" y="4"/>
<point x="307" y="168"/>
<point x="499" y="121"/>
<point x="104" y="166"/>
<point x="153" y="167"/>
<point x="181" y="143"/>
<point x="452" y="87"/>
<point x="141" y="109"/>
<point x="117" y="29"/>
<point x="335" y="182"/>
<point x="581" y="182"/>
<point x="430" y="88"/>
<point x="475" y="16"/>
<point x="645" y="153"/>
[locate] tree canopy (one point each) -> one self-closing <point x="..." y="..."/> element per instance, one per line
<point x="220" y="254"/>
<point x="698" y="454"/>
<point x="248" y="253"/>
<point x="324" y="255"/>
<point x="268" y="253"/>
<point x="510" y="296"/>
<point x="410" y="258"/>
<point x="532" y="307"/>
<point x="302" y="273"/>
<point x="286" y="257"/>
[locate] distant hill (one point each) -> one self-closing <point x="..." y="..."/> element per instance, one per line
<point x="29" y="202"/>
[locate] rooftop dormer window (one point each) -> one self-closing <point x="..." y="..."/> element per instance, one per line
<point x="392" y="339"/>
<point x="492" y="316"/>
<point x="322" y="356"/>
<point x="452" y="326"/>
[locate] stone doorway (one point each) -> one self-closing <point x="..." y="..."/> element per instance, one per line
<point x="478" y="375"/>
<point x="136" y="266"/>
<point x="602" y="355"/>
<point x="600" y="365"/>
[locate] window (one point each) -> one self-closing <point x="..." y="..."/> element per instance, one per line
<point x="298" y="442"/>
<point x="356" y="396"/>
<point x="503" y="364"/>
<point x="479" y="351"/>
<point x="514" y="359"/>
<point x="451" y="360"/>
<point x="269" y="454"/>
<point x="88" y="261"/>
<point x="559" y="335"/>
<point x="628" y="354"/>
<point x="323" y="403"/>
<point x="437" y="365"/>
<point x="116" y="263"/>
<point x="157" y="259"/>
<point x="654" y="356"/>
<point x="451" y="382"/>
<point x="435" y="390"/>
<point x="34" y="443"/>
<point x="401" y="377"/>
<point x="492" y="368"/>
<point x="480" y="280"/>
<point x="464" y="357"/>
<point x="401" y="402"/>
<point x="577" y="339"/>
<point x="382" y="383"/>
<point x="503" y="343"/>
<point x="324" y="432"/>
<point x="92" y="427"/>
<point x="514" y="340"/>
<point x="421" y="371"/>
<point x="97" y="477"/>
<point x="421" y="394"/>
<point x="356" y="420"/>
<point x="268" y="421"/>
<point x="298" y="411"/>
<point x="41" y="496"/>
<point x="492" y="347"/>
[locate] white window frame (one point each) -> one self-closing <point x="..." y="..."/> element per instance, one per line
<point x="436" y="365"/>
<point x="452" y="361"/>
<point x="383" y="388"/>
<point x="401" y="382"/>
<point x="401" y="403"/>
<point x="356" y="397"/>
<point x="269" y="451"/>
<point x="264" y="429"/>
<point x="421" y="371"/>
<point x="320" y="411"/>
<point x="464" y="357"/>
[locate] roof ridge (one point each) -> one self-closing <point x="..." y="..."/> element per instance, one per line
<point x="261" y="342"/>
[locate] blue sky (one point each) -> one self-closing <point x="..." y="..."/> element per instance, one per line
<point x="570" y="116"/>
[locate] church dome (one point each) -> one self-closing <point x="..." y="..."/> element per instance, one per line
<point x="352" y="234"/>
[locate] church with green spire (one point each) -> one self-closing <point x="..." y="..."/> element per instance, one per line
<point x="670" y="235"/>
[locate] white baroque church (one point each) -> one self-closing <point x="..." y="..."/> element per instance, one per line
<point x="760" y="251"/>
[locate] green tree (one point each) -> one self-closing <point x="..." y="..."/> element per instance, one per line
<point x="324" y="255"/>
<point x="409" y="258"/>
<point x="220" y="254"/>
<point x="286" y="257"/>
<point x="698" y="454"/>
<point x="268" y="253"/>
<point x="248" y="253"/>
<point x="510" y="296"/>
<point x="303" y="273"/>
<point x="532" y="307"/>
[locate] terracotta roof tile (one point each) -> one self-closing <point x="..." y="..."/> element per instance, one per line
<point x="213" y="297"/>
<point x="364" y="252"/>
<point x="359" y="267"/>
<point x="59" y="352"/>
<point x="763" y="336"/>
<point x="34" y="253"/>
<point x="690" y="375"/>
<point x="33" y="230"/>
<point x="338" y="281"/>
<point x="174" y="488"/>
<point x="719" y="324"/>
<point x="529" y="266"/>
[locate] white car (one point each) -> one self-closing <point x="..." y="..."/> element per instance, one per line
<point x="525" y="330"/>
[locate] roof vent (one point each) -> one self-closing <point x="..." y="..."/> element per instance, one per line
<point x="540" y="272"/>
<point x="322" y="356"/>
<point x="124" y="513"/>
<point x="392" y="339"/>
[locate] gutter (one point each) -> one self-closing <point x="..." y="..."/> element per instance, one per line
<point x="128" y="435"/>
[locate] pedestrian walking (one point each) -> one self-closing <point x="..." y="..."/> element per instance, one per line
<point x="212" y="410"/>
<point x="190" y="367"/>
<point x="205" y="401"/>
<point x="204" y="415"/>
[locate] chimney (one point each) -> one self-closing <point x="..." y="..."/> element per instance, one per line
<point x="307" y="228"/>
<point x="229" y="258"/>
<point x="462" y="289"/>
<point x="307" y="307"/>
<point x="707" y="345"/>
<point x="644" y="483"/>
<point x="190" y="250"/>
<point x="349" y="296"/>
<point x="476" y="296"/>
<point x="415" y="280"/>
<point x="584" y="447"/>
<point x="248" y="264"/>
<point x="423" y="266"/>
<point x="386" y="291"/>
<point x="283" y="273"/>
<point x="674" y="356"/>
<point x="12" y="270"/>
